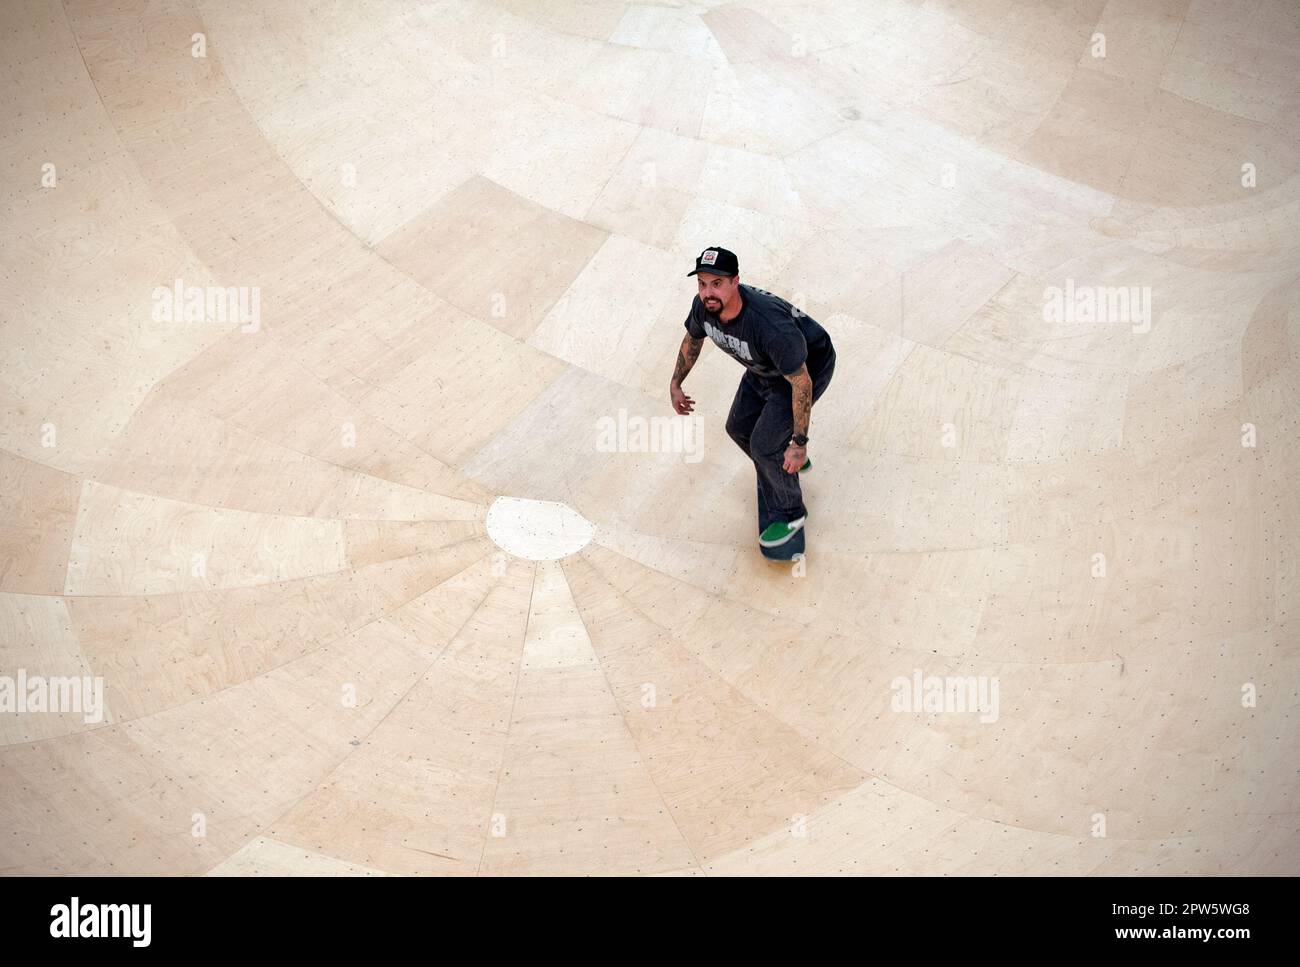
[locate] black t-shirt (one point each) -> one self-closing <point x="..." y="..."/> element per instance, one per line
<point x="770" y="337"/>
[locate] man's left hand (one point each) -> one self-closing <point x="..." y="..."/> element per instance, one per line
<point x="794" y="458"/>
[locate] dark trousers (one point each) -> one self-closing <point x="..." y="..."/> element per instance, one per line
<point x="761" y="422"/>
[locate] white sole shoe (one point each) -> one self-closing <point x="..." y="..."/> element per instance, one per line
<point x="794" y="525"/>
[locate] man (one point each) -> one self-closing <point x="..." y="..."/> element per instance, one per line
<point x="789" y="361"/>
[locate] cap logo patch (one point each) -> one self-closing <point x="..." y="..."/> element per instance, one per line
<point x="709" y="258"/>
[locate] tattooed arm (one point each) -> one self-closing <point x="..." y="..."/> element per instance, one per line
<point x="801" y="393"/>
<point x="686" y="356"/>
<point x="801" y="399"/>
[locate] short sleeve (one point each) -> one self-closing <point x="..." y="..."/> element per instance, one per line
<point x="692" y="320"/>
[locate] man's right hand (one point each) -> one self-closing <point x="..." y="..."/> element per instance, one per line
<point x="682" y="403"/>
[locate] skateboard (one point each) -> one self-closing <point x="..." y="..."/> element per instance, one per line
<point x="795" y="545"/>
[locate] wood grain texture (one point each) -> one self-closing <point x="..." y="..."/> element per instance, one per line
<point x="469" y="227"/>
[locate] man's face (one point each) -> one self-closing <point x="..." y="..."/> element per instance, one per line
<point x="716" y="290"/>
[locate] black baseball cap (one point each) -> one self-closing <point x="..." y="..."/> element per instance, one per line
<point x="717" y="261"/>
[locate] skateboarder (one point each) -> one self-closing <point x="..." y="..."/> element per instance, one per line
<point x="789" y="361"/>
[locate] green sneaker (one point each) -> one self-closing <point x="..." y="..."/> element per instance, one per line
<point x="780" y="531"/>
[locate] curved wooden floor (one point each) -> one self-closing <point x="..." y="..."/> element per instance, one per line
<point x="469" y="226"/>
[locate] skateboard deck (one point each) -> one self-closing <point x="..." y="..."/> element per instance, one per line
<point x="786" y="551"/>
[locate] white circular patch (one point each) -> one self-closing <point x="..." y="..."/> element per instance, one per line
<point x="537" y="530"/>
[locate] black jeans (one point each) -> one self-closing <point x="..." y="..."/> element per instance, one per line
<point x="761" y="422"/>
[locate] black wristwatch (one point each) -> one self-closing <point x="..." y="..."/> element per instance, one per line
<point x="799" y="440"/>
